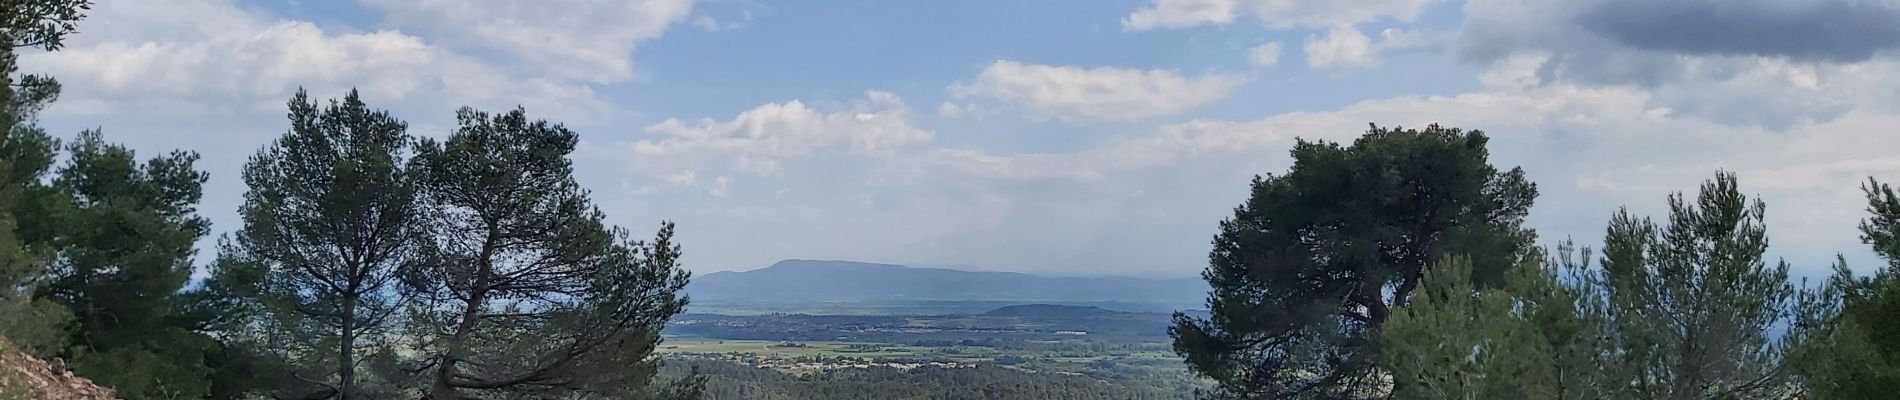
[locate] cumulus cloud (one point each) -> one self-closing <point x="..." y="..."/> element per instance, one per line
<point x="1750" y="62"/>
<point x="1616" y="151"/>
<point x="1180" y="14"/>
<point x="212" y="76"/>
<point x="927" y="203"/>
<point x="755" y="141"/>
<point x="860" y="179"/>
<point x="1266" y="54"/>
<point x="568" y="39"/>
<point x="159" y="54"/>
<point x="1342" y="46"/>
<point x="1273" y="13"/>
<point x="710" y="24"/>
<point x="1076" y="94"/>
<point x="1805" y="30"/>
<point x="950" y="110"/>
<point x="1345" y="47"/>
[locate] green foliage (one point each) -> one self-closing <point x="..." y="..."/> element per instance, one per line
<point x="1454" y="342"/>
<point x="38" y="325"/>
<point x="1855" y="353"/>
<point x="1538" y="337"/>
<point x="327" y="220"/>
<point x="40" y="23"/>
<point x="30" y="24"/>
<point x="1312" y="264"/>
<point x="732" y="381"/>
<point x="125" y="236"/>
<point x="522" y="289"/>
<point x="1693" y="301"/>
<point x="1683" y="310"/>
<point x="26" y="155"/>
<point x="1566" y="319"/>
<point x="91" y="264"/>
<point x="165" y="364"/>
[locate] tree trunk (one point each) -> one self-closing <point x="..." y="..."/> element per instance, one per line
<point x="346" y="359"/>
<point x="443" y="388"/>
<point x="445" y="372"/>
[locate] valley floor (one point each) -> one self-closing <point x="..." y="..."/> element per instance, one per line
<point x="1070" y="354"/>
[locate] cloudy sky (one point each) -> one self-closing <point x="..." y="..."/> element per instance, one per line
<point x="1066" y="136"/>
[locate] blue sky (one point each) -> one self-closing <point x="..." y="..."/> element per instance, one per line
<point x="1072" y="137"/>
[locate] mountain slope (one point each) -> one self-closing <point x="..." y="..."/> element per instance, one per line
<point x="825" y="281"/>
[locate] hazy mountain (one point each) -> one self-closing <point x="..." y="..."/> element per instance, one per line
<point x="832" y="281"/>
<point x="1050" y="310"/>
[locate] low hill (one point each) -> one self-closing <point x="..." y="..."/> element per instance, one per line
<point x="848" y="281"/>
<point x="1050" y="310"/>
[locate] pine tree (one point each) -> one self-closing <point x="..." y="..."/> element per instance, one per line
<point x="523" y="289"/>
<point x="1309" y="268"/>
<point x="1454" y="341"/>
<point x="1854" y="353"/>
<point x="125" y="242"/>
<point x="26" y="156"/>
<point x="1540" y="336"/>
<point x="1694" y="301"/>
<point x="329" y="217"/>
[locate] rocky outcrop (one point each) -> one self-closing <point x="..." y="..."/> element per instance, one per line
<point x="23" y="375"/>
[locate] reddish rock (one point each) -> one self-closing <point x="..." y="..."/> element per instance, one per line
<point x="40" y="380"/>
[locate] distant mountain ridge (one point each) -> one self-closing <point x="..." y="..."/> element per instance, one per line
<point x="840" y="281"/>
<point x="1051" y="310"/>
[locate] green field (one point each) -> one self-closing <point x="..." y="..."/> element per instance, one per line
<point x="873" y="351"/>
<point x="767" y="348"/>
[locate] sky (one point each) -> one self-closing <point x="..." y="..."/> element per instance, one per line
<point x="1075" y="137"/>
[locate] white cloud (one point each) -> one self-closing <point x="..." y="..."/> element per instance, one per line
<point x="1180" y="14"/>
<point x="1273" y="13"/>
<point x="1775" y="64"/>
<point x="950" y="110"/>
<point x="1266" y="54"/>
<point x="1345" y="47"/>
<point x="1591" y="149"/>
<point x="720" y="187"/>
<point x="212" y="76"/>
<point x="1614" y="151"/>
<point x="756" y="140"/>
<point x="1074" y="94"/>
<point x="154" y="55"/>
<point x="684" y="177"/>
<point x="710" y="24"/>
<point x="1342" y="47"/>
<point x="1391" y="39"/>
<point x="861" y="180"/>
<point x="583" y="40"/>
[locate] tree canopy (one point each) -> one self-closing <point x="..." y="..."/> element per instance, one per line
<point x="1316" y="260"/>
<point x="1694" y="301"/>
<point x="328" y="220"/>
<point x="1855" y="353"/>
<point x="1688" y="309"/>
<point x="521" y="287"/>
